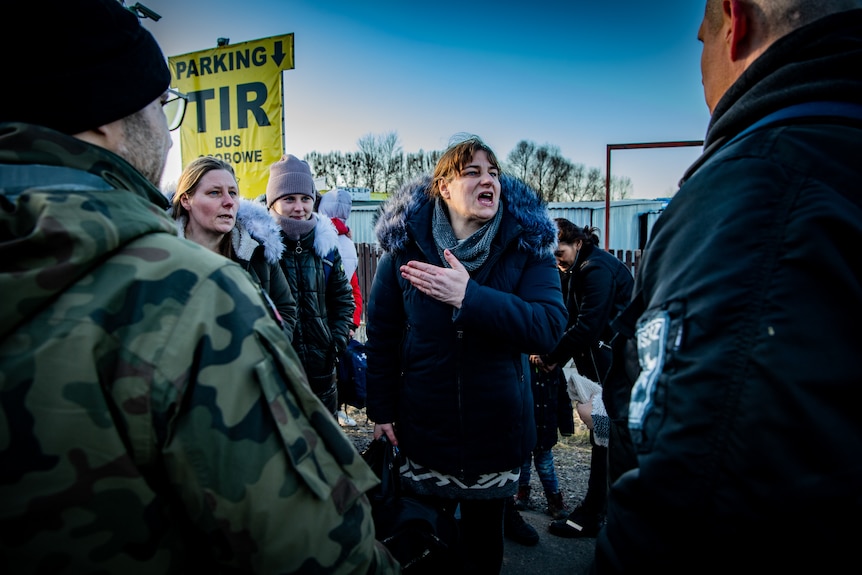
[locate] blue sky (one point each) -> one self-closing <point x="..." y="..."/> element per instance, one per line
<point x="575" y="74"/>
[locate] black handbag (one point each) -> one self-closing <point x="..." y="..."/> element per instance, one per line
<point x="422" y="537"/>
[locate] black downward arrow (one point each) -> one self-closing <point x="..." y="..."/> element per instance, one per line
<point x="278" y="54"/>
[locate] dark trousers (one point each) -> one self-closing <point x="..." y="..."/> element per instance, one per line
<point x="480" y="549"/>
<point x="596" y="500"/>
<point x="621" y="451"/>
<point x="329" y="398"/>
<point x="482" y="536"/>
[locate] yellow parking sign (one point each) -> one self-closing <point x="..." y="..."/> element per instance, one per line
<point x="235" y="110"/>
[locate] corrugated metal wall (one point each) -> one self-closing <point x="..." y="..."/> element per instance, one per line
<point x="361" y="223"/>
<point x="625" y="221"/>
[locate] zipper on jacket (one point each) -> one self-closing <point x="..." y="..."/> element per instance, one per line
<point x="299" y="343"/>
<point x="405" y="338"/>
<point x="459" y="354"/>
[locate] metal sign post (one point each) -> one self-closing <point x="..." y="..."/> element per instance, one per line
<point x="680" y="144"/>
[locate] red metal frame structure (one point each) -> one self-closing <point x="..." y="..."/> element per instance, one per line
<point x="680" y="144"/>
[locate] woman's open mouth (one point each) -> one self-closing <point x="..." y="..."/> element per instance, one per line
<point x="486" y="199"/>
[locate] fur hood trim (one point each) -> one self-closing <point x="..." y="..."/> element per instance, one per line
<point x="254" y="227"/>
<point x="325" y="236"/>
<point x="537" y="232"/>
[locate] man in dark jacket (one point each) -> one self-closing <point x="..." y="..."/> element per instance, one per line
<point x="745" y="415"/>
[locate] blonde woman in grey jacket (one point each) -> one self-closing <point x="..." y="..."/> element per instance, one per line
<point x="209" y="211"/>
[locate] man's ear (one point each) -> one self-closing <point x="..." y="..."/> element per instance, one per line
<point x="739" y="39"/>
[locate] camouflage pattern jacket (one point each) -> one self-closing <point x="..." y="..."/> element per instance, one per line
<point x="153" y="416"/>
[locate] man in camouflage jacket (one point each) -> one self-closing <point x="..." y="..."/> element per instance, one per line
<point x="153" y="416"/>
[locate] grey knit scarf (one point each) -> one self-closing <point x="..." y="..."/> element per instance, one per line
<point x="472" y="251"/>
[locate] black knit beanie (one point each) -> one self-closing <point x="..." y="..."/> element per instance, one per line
<point x="76" y="65"/>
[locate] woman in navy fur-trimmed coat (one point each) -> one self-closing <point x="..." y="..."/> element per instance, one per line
<point x="447" y="345"/>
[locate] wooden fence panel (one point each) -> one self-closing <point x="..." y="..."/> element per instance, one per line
<point x="369" y="255"/>
<point x="631" y="258"/>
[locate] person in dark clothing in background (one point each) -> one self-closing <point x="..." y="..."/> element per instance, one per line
<point x="596" y="287"/>
<point x="553" y="411"/>
<point x="336" y="205"/>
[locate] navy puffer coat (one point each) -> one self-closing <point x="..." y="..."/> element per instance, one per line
<point x="455" y="383"/>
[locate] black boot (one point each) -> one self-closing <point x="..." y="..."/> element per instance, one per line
<point x="586" y="519"/>
<point x="579" y="523"/>
<point x="515" y="528"/>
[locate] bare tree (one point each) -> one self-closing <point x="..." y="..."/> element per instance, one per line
<point x="559" y="172"/>
<point x="621" y="187"/>
<point x="538" y="171"/>
<point x="381" y="165"/>
<point x="326" y="166"/>
<point x="577" y="179"/>
<point x="543" y="168"/>
<point x="418" y="164"/>
<point x="370" y="168"/>
<point x="519" y="159"/>
<point x="414" y="166"/>
<point x="391" y="160"/>
<point x="594" y="186"/>
<point x="319" y="166"/>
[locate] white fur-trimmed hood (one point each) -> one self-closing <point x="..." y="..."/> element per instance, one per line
<point x="255" y="226"/>
<point x="325" y="236"/>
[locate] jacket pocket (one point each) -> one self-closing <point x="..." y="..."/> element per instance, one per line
<point x="317" y="449"/>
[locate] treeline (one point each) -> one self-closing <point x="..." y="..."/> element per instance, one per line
<point x="381" y="165"/>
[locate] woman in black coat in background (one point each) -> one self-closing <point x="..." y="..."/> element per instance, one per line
<point x="596" y="287"/>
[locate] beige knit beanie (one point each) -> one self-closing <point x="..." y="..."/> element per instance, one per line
<point x="287" y="176"/>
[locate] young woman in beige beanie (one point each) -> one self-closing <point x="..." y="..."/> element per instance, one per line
<point x="313" y="268"/>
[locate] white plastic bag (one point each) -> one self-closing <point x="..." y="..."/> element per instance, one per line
<point x="584" y="390"/>
<point x="580" y="388"/>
